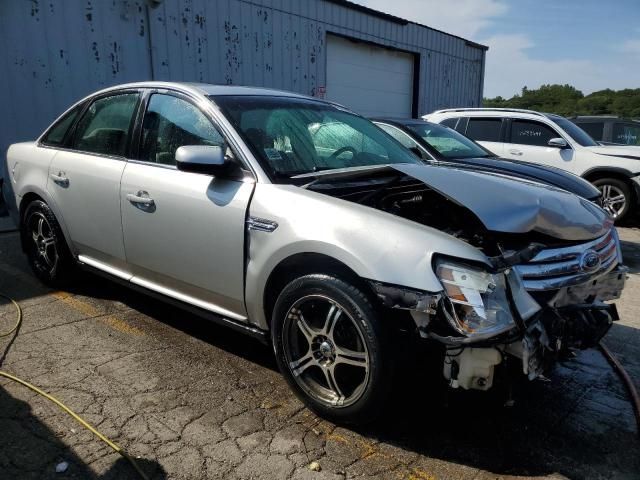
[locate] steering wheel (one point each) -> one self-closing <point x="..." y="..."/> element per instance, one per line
<point x="342" y="150"/>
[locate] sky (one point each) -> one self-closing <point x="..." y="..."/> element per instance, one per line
<point x="590" y="44"/>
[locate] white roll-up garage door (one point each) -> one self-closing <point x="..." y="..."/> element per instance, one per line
<point x="371" y="80"/>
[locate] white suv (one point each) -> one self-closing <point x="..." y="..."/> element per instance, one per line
<point x="552" y="140"/>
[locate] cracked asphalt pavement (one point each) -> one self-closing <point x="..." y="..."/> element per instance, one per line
<point x="193" y="400"/>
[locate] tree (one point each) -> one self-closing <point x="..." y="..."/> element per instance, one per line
<point x="568" y="101"/>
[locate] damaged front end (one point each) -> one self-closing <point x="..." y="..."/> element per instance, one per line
<point x="537" y="305"/>
<point x="551" y="261"/>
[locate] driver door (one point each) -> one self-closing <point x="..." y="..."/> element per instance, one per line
<point x="184" y="233"/>
<point x="528" y="142"/>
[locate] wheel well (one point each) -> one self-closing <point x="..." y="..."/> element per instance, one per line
<point x="611" y="174"/>
<point x="606" y="174"/>
<point x="305" y="264"/>
<point x="26" y="200"/>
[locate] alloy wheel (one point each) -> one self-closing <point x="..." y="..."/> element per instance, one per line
<point x="325" y="351"/>
<point x="613" y="199"/>
<point x="45" y="249"/>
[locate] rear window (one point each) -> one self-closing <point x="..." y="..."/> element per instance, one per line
<point x="626" y="133"/>
<point x="484" y="129"/>
<point x="57" y="133"/>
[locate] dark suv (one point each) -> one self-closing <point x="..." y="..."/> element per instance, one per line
<point x="610" y="130"/>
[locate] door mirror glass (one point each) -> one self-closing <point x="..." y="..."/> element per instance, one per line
<point x="558" y="143"/>
<point x="202" y="159"/>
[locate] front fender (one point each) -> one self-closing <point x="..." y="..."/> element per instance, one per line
<point x="375" y="245"/>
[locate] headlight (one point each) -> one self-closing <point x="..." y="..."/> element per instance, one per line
<point x="478" y="305"/>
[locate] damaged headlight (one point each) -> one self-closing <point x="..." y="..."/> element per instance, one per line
<point x="478" y="304"/>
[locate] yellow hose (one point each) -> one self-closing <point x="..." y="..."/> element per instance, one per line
<point x="82" y="422"/>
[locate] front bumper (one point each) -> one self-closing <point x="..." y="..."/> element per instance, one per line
<point x="577" y="319"/>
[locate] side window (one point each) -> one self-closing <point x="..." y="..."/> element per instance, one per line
<point x="450" y="122"/>
<point x="484" y="129"/>
<point x="594" y="129"/>
<point x="171" y="122"/>
<point x="626" y="133"/>
<point x="399" y="135"/>
<point x="57" y="133"/>
<point x="105" y="126"/>
<point x="525" y="132"/>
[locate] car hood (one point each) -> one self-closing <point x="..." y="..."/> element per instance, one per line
<point x="624" y="151"/>
<point x="552" y="176"/>
<point x="509" y="205"/>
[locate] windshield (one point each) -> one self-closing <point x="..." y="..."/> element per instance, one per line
<point x="291" y="136"/>
<point x="448" y="142"/>
<point x="575" y="132"/>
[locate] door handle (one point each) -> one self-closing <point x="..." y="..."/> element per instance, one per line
<point x="515" y="152"/>
<point x="141" y="198"/>
<point x="60" y="179"/>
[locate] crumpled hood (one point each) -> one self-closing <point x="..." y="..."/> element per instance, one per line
<point x="624" y="151"/>
<point x="508" y="205"/>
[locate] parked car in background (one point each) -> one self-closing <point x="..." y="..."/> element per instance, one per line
<point x="552" y="140"/>
<point x="331" y="244"/>
<point x="610" y="130"/>
<point x="442" y="145"/>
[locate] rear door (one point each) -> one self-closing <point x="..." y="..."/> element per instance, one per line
<point x="84" y="179"/>
<point x="528" y="142"/>
<point x="184" y="233"/>
<point x="488" y="131"/>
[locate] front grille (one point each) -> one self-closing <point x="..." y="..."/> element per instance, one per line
<point x="563" y="267"/>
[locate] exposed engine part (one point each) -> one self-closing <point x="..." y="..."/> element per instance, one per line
<point x="406" y="298"/>
<point x="554" y="333"/>
<point x="471" y="368"/>
<point x="511" y="258"/>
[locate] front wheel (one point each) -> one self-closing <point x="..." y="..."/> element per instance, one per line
<point x="616" y="196"/>
<point x="330" y="346"/>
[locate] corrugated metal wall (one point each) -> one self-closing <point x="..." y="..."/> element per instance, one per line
<point x="54" y="52"/>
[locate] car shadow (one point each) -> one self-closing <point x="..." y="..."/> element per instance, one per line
<point x="31" y="450"/>
<point x="540" y="435"/>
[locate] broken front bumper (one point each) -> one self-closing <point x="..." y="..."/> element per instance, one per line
<point x="578" y="320"/>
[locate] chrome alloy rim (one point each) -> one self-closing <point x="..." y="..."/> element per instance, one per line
<point x="613" y="199"/>
<point x="44" y="242"/>
<point x="325" y="351"/>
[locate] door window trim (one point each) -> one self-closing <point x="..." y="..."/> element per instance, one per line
<point x="194" y="101"/>
<point x="551" y="127"/>
<point x="73" y="131"/>
<point x="502" y="136"/>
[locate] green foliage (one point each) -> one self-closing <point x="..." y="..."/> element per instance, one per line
<point x="568" y="101"/>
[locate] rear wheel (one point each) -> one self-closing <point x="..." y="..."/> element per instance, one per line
<point x="330" y="347"/>
<point x="616" y="196"/>
<point x="46" y="249"/>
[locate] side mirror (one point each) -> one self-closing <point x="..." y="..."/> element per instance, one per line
<point x="558" y="143"/>
<point x="203" y="159"/>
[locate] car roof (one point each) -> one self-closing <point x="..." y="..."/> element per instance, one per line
<point x="208" y="89"/>
<point x="400" y="121"/>
<point x="494" y="112"/>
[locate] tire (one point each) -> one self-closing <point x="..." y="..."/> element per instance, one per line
<point x="47" y="251"/>
<point x="331" y="347"/>
<point x="613" y="188"/>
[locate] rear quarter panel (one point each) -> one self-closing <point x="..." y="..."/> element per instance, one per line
<point x="28" y="171"/>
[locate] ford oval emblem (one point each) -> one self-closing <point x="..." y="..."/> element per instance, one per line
<point x="589" y="261"/>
